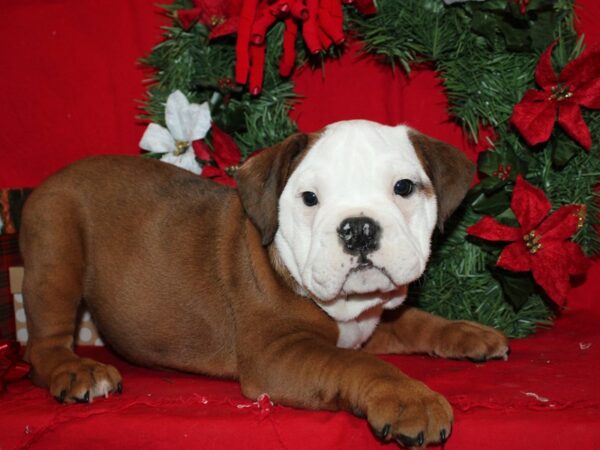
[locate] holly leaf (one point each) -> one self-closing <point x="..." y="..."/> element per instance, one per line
<point x="516" y="287"/>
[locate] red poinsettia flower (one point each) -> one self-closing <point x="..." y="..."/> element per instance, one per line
<point x="540" y="243"/>
<point x="221" y="16"/>
<point x="562" y="96"/>
<point x="226" y="157"/>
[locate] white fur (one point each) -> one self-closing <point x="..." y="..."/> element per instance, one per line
<point x="352" y="168"/>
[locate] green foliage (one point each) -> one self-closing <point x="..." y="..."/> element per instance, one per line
<point x="204" y="71"/>
<point x="485" y="53"/>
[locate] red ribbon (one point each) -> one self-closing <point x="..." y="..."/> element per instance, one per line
<point x="12" y="368"/>
<point x="560" y="99"/>
<point x="322" y="26"/>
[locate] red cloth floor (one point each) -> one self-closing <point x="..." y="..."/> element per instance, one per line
<point x="546" y="396"/>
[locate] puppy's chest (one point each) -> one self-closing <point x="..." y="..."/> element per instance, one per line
<point x="357" y="319"/>
<point x="354" y="333"/>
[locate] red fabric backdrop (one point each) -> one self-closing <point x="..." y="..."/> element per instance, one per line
<point x="70" y="81"/>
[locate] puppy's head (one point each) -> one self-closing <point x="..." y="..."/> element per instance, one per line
<point x="351" y="210"/>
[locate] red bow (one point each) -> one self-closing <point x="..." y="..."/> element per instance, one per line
<point x="578" y="85"/>
<point x="539" y="244"/>
<point x="322" y="25"/>
<point x="11" y="366"/>
<point x="226" y="157"/>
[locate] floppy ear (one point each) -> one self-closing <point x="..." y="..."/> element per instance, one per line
<point x="261" y="180"/>
<point x="449" y="170"/>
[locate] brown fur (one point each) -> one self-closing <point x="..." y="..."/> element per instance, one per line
<point x="449" y="170"/>
<point x="177" y="273"/>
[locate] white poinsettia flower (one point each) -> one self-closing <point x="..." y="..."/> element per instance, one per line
<point x="186" y="122"/>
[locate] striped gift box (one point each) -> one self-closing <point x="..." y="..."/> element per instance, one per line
<point x="9" y="256"/>
<point x="11" y="204"/>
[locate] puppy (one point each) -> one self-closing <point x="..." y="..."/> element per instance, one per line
<point x="280" y="284"/>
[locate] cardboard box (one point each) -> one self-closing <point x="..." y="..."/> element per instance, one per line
<point x="85" y="333"/>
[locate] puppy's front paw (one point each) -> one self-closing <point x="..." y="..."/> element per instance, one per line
<point x="83" y="379"/>
<point x="409" y="413"/>
<point x="470" y="340"/>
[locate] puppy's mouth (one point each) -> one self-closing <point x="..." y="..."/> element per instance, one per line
<point x="364" y="264"/>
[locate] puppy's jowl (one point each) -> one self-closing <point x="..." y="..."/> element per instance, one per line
<point x="283" y="284"/>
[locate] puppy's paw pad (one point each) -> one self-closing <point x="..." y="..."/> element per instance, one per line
<point x="413" y="416"/>
<point x="82" y="380"/>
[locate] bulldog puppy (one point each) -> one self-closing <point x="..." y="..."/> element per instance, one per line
<point x="280" y="284"/>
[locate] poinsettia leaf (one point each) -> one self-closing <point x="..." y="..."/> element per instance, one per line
<point x="507" y="217"/>
<point x="232" y="119"/>
<point x="152" y="155"/>
<point x="488" y="162"/>
<point x="563" y="152"/>
<point x="516" y="287"/>
<point x="517" y="39"/>
<point x="491" y="248"/>
<point x="492" y="204"/>
<point x="540" y="5"/>
<point x="491" y="185"/>
<point x="542" y="31"/>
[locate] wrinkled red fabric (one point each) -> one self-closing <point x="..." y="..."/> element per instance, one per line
<point x="11" y="366"/>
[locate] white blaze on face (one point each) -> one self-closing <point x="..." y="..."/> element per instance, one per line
<point x="352" y="168"/>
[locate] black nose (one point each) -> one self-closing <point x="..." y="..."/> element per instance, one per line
<point x="359" y="235"/>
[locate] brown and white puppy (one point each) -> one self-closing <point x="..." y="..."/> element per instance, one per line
<point x="278" y="284"/>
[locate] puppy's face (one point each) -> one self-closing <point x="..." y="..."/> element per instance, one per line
<point x="357" y="214"/>
<point x="355" y="205"/>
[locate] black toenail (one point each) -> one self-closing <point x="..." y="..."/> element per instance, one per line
<point x="62" y="396"/>
<point x="86" y="397"/>
<point x="385" y="430"/>
<point x="120" y="387"/>
<point x="508" y="351"/>
<point x="420" y="439"/>
<point x="479" y="360"/>
<point x="443" y="436"/>
<point x="406" y="441"/>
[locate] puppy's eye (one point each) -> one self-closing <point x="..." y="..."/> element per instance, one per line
<point x="309" y="198"/>
<point x="404" y="187"/>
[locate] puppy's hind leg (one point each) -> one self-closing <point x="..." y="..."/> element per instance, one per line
<point x="51" y="245"/>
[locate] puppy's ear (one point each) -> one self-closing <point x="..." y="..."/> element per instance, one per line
<point x="261" y="180"/>
<point x="449" y="170"/>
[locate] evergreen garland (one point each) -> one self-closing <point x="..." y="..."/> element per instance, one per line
<point x="486" y="54"/>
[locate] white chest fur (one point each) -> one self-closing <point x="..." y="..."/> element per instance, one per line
<point x="357" y="318"/>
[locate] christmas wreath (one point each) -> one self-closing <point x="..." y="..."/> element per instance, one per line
<point x="221" y="90"/>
